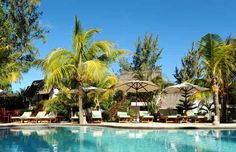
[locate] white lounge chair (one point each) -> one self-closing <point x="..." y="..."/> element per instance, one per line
<point x="50" y="117"/>
<point x="75" y="117"/>
<point x="22" y="117"/>
<point x="39" y="115"/>
<point x="145" y="116"/>
<point x="123" y="117"/>
<point x="96" y="116"/>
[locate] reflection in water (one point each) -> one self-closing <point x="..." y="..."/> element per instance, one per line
<point x="96" y="139"/>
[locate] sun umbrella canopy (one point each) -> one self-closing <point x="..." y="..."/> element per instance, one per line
<point x="185" y="86"/>
<point x="137" y="86"/>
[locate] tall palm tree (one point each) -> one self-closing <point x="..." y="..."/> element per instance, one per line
<point x="87" y="63"/>
<point x="214" y="53"/>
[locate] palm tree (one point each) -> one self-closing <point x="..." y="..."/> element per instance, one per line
<point x="87" y="63"/>
<point x="214" y="53"/>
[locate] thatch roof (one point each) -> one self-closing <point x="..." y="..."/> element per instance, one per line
<point x="37" y="87"/>
<point x="169" y="101"/>
<point x="128" y="76"/>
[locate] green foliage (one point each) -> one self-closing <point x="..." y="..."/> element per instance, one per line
<point x="185" y="102"/>
<point x="152" y="106"/>
<point x="191" y="70"/>
<point x="144" y="63"/>
<point x="106" y="104"/>
<point x="56" y="105"/>
<point x="218" y="63"/>
<point x="206" y="107"/>
<point x="216" y="56"/>
<point x="87" y="64"/>
<point x="144" y="66"/>
<point x="19" y="27"/>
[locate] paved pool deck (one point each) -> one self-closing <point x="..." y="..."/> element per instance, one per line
<point x="153" y="125"/>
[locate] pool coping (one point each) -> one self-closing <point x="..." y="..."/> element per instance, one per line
<point x="127" y="125"/>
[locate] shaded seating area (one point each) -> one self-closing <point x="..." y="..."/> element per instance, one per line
<point x="145" y="116"/>
<point x="123" y="117"/>
<point x="96" y="116"/>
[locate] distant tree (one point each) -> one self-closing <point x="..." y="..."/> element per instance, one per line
<point x="185" y="103"/>
<point x="144" y="63"/>
<point x="191" y="69"/>
<point x="19" y="27"/>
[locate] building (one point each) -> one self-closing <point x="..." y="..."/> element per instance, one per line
<point x="36" y="92"/>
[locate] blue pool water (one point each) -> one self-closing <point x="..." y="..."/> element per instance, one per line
<point x="98" y="139"/>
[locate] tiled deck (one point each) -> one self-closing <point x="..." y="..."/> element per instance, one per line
<point x="153" y="125"/>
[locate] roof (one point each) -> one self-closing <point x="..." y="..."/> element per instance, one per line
<point x="169" y="101"/>
<point x="128" y="75"/>
<point x="37" y="86"/>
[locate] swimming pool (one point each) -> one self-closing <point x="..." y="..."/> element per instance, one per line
<point x="101" y="139"/>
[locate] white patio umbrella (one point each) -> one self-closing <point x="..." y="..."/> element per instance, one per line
<point x="136" y="86"/>
<point x="185" y="86"/>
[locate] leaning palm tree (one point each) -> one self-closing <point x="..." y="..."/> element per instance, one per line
<point x="214" y="53"/>
<point x="87" y="63"/>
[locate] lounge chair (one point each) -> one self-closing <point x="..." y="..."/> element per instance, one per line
<point x="194" y="117"/>
<point x="75" y="117"/>
<point x="123" y="117"/>
<point x="170" y="118"/>
<point x="39" y="115"/>
<point x="22" y="117"/>
<point x="50" y="117"/>
<point x="145" y="116"/>
<point x="96" y="116"/>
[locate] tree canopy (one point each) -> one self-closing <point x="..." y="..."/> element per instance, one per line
<point x="19" y="28"/>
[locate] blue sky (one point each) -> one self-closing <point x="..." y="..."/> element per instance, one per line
<point x="177" y="23"/>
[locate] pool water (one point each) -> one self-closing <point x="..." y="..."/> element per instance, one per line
<point x="101" y="139"/>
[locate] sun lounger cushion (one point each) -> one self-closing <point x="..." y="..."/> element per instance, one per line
<point x="122" y="114"/>
<point x="145" y="114"/>
<point x="96" y="114"/>
<point x="40" y="114"/>
<point x="24" y="115"/>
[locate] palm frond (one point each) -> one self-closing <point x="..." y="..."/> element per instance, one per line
<point x="92" y="70"/>
<point x="89" y="33"/>
<point x="114" y="55"/>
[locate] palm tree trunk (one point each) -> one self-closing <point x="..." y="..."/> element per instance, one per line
<point x="224" y="108"/>
<point x="81" y="117"/>
<point x="215" y="89"/>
